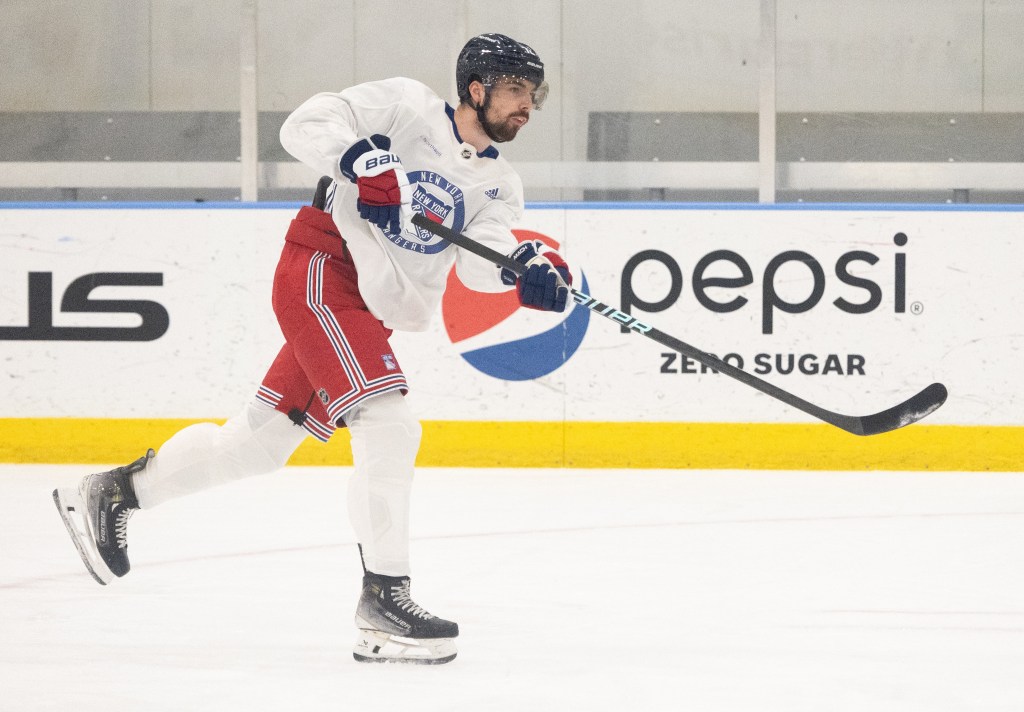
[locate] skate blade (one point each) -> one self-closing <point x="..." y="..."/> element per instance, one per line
<point x="71" y="506"/>
<point x="374" y="646"/>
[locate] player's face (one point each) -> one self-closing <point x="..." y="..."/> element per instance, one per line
<point x="507" y="108"/>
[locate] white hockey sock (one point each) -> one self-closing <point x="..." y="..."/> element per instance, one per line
<point x="385" y="440"/>
<point x="257" y="441"/>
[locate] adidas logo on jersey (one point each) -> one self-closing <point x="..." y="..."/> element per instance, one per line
<point x="492" y="193"/>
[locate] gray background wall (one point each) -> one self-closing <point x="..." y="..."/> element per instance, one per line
<point x="857" y="56"/>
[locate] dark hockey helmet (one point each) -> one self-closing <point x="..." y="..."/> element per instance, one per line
<point x="489" y="57"/>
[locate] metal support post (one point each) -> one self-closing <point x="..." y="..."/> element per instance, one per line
<point x="248" y="103"/>
<point x="766" y="155"/>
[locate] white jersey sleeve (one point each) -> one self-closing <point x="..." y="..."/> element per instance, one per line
<point x="326" y="125"/>
<point x="319" y="132"/>
<point x="491" y="227"/>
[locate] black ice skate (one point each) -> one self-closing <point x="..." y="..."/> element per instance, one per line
<point x="96" y="514"/>
<point x="393" y="629"/>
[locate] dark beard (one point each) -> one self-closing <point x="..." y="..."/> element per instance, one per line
<point x="499" y="133"/>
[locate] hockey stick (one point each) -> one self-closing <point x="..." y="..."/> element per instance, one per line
<point x="907" y="412"/>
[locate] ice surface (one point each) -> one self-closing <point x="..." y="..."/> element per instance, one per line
<point x="574" y="590"/>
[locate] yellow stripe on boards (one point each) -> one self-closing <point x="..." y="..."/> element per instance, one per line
<point x="764" y="446"/>
<point x="756" y="446"/>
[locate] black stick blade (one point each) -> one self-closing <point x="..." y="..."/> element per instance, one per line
<point x="910" y="411"/>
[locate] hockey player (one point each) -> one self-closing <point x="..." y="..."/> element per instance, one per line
<point x="352" y="269"/>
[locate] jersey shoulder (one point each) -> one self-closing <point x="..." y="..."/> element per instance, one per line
<point x="396" y="90"/>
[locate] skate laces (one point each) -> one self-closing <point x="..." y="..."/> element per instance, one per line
<point x="403" y="598"/>
<point x="121" y="526"/>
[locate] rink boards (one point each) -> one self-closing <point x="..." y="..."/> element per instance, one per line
<point x="121" y="323"/>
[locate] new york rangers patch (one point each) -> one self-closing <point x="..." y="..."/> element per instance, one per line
<point x="389" y="362"/>
<point x="440" y="200"/>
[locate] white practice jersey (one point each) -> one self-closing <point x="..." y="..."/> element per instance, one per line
<point x="402" y="276"/>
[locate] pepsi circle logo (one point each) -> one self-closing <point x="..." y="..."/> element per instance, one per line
<point x="506" y="341"/>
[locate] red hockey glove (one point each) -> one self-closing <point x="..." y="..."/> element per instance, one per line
<point x="385" y="198"/>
